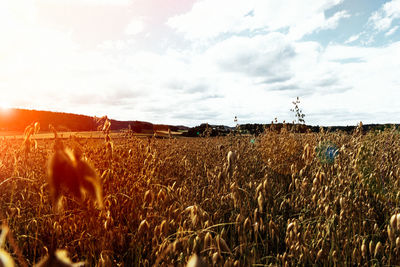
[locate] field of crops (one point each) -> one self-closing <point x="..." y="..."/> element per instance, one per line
<point x="276" y="199"/>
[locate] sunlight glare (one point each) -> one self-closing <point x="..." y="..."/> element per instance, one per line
<point x="4" y="107"/>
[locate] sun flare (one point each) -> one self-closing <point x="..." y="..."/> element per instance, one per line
<point x="4" y="107"/>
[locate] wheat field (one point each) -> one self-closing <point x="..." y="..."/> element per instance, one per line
<point x="279" y="199"/>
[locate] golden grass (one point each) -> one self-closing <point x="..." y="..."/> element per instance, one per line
<point x="67" y="135"/>
<point x="83" y="134"/>
<point x="173" y="201"/>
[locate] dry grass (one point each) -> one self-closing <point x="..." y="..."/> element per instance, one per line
<point x="165" y="200"/>
<point x="86" y="134"/>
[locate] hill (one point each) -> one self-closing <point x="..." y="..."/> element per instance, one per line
<point x="18" y="119"/>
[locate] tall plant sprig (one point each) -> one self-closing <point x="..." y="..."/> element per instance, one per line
<point x="298" y="112"/>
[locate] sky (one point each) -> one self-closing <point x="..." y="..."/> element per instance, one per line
<point x="196" y="61"/>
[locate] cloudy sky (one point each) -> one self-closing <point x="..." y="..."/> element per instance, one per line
<point x="194" y="61"/>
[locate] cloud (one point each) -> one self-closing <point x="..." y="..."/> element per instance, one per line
<point x="317" y="22"/>
<point x="93" y="2"/>
<point x="264" y="56"/>
<point x="372" y="75"/>
<point x="134" y="27"/>
<point x="382" y="19"/>
<point x="196" y="114"/>
<point x="391" y="31"/>
<point x="332" y="22"/>
<point x="285" y="87"/>
<point x="212" y="18"/>
<point x="352" y="38"/>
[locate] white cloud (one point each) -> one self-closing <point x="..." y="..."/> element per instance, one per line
<point x="369" y="72"/>
<point x="391" y="31"/>
<point x="260" y="55"/>
<point x="276" y="15"/>
<point x="352" y="38"/>
<point x="316" y="23"/>
<point x="92" y="2"/>
<point x="211" y="18"/>
<point x="383" y="18"/>
<point x="332" y="22"/>
<point x="134" y="27"/>
<point x="14" y="16"/>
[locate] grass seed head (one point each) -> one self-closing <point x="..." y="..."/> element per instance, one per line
<point x="364" y="249"/>
<point x="144" y="226"/>
<point x="148" y="197"/>
<point x="58" y="259"/>
<point x="66" y="172"/>
<point x="195" y="261"/>
<point x="207" y="240"/>
<point x="391" y="234"/>
<point x="216" y="258"/>
<point x="5" y="259"/>
<point x="378" y="249"/>
<point x="231" y="157"/>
